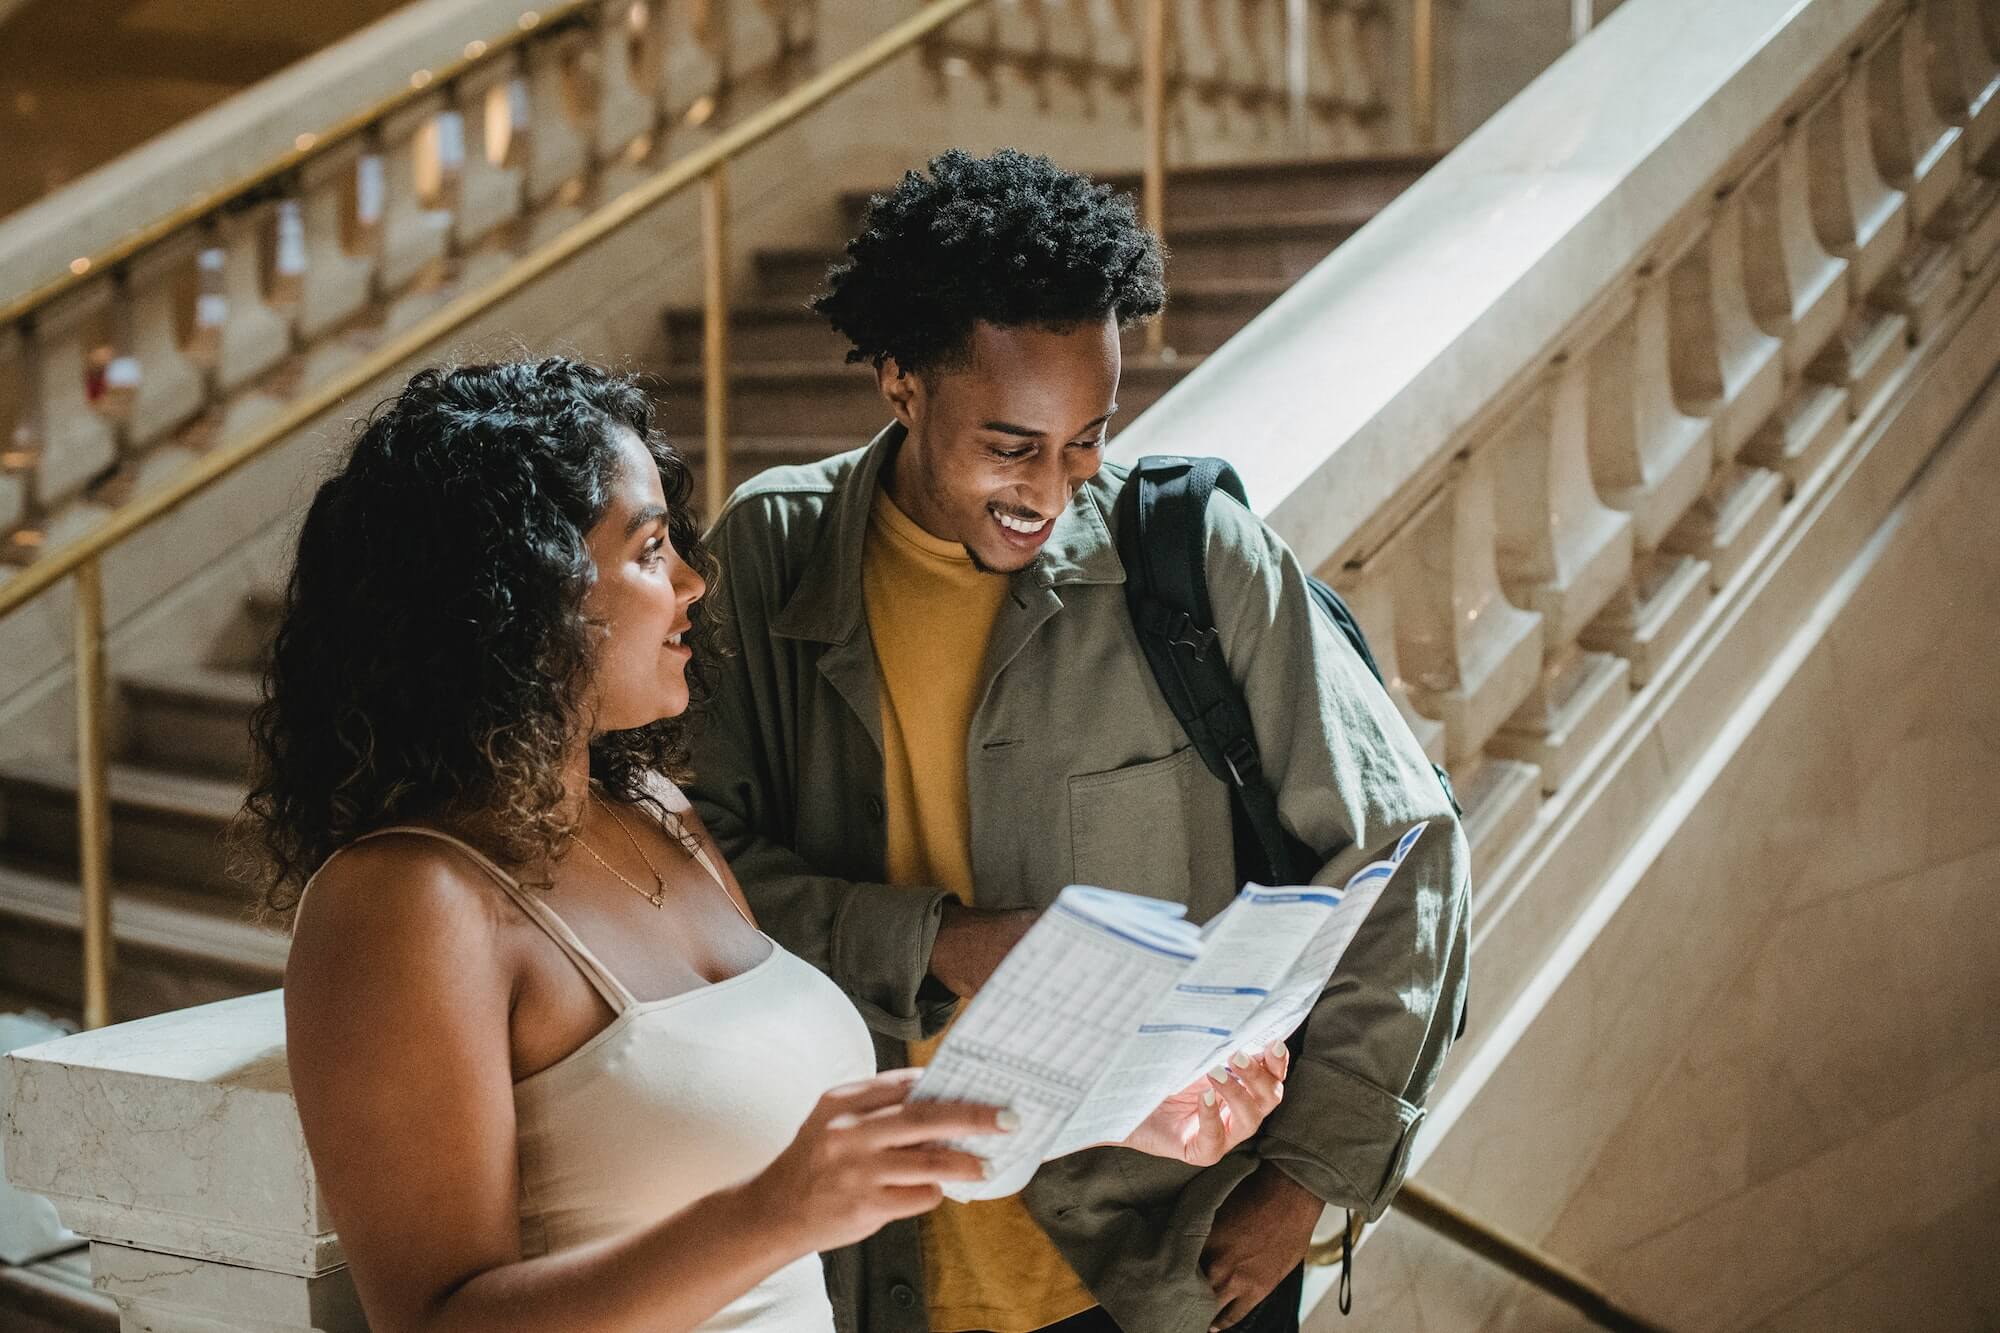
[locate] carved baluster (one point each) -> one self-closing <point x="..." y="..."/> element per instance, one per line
<point x="1020" y="47"/>
<point x="1471" y="656"/>
<point x="1966" y="51"/>
<point x="491" y="179"/>
<point x="1725" y="367"/>
<point x="72" y="440"/>
<point x="558" y="146"/>
<point x="1965" y="71"/>
<point x="1563" y="554"/>
<point x="694" y="73"/>
<point x="628" y="56"/>
<point x="1370" y="592"/>
<point x="1866" y="221"/>
<point x="1263" y="24"/>
<point x="1925" y="158"/>
<point x="1648" y="457"/>
<point x="1730" y="368"/>
<point x="253" y="336"/>
<point x="1799" y="292"/>
<point x="155" y="310"/>
<point x="16" y="443"/>
<point x="1466" y="657"/>
<point x="1067" y="36"/>
<point x="1343" y="67"/>
<point x="1113" y="44"/>
<point x="415" y="227"/>
<point x="1202" y="61"/>
<point x="339" y="255"/>
<point x="1921" y="154"/>
<point x="751" y="45"/>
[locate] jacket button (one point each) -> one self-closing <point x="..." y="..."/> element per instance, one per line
<point x="875" y="807"/>
<point x="903" y="1295"/>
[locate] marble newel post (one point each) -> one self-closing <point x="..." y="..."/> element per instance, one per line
<point x="173" y="1145"/>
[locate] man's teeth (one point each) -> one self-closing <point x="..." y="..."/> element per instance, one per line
<point x="674" y="639"/>
<point x="1012" y="524"/>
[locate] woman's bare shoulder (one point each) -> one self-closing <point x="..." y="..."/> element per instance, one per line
<point x="398" y="904"/>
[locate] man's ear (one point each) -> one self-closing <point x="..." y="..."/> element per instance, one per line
<point x="903" y="392"/>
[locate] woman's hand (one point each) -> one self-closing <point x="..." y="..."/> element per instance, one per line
<point x="868" y="1156"/>
<point x="1203" y="1121"/>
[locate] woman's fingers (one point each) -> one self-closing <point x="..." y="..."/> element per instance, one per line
<point x="926" y="1166"/>
<point x="872" y="1094"/>
<point x="926" y="1122"/>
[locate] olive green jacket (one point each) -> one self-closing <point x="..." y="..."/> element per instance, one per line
<point x="1079" y="774"/>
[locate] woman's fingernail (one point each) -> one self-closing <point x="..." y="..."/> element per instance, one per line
<point x="1240" y="1060"/>
<point x="1219" y="1075"/>
<point x="1276" y="1051"/>
<point x="1007" y="1121"/>
<point x="1208" y="1097"/>
<point x="985" y="1169"/>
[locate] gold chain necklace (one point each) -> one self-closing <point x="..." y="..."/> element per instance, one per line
<point x="658" y="897"/>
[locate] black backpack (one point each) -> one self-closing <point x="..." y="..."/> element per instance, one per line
<point x="1162" y="520"/>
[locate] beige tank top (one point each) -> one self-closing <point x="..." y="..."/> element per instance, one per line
<point x="676" y="1099"/>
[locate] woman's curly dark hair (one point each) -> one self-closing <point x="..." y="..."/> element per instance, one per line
<point x="432" y="657"/>
<point x="1010" y="239"/>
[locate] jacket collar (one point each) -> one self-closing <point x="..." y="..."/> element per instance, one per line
<point x="827" y="604"/>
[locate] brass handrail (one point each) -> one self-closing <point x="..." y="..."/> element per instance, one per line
<point x="1545" y="1273"/>
<point x="308" y="145"/>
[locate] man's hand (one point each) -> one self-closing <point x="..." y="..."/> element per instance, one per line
<point x="971" y="943"/>
<point x="1262" y="1232"/>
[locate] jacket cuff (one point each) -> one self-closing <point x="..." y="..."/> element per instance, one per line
<point x="1341" y="1137"/>
<point x="881" y="956"/>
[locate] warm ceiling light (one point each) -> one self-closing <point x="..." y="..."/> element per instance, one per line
<point x="701" y="110"/>
<point x="420" y="78"/>
<point x="305" y="141"/>
<point x="474" y="50"/>
<point x="529" y="20"/>
<point x="79" y="266"/>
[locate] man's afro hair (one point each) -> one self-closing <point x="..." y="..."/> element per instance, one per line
<point x="1010" y="239"/>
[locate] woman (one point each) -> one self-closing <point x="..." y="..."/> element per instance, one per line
<point x="551" y="1074"/>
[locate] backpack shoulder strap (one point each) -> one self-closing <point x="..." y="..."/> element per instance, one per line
<point x="1162" y="523"/>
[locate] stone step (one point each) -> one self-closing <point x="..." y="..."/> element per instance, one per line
<point x="840" y="404"/>
<point x="1197" y="192"/>
<point x="173" y="947"/>
<point x="54" y="1295"/>
<point x="192" y="719"/>
<point x="1201" y="316"/>
<point x="1269" y="244"/>
<point x="166" y="826"/>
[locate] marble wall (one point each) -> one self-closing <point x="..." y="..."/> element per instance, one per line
<point x="1769" y="1097"/>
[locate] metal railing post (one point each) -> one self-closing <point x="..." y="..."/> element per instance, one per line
<point x="93" y="796"/>
<point x="715" y="335"/>
<point x="1582" y="18"/>
<point x="1423" y="73"/>
<point x="1153" y="192"/>
<point x="1522" y="1260"/>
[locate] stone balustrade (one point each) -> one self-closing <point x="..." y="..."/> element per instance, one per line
<point x="1560" y="420"/>
<point x="131" y="372"/>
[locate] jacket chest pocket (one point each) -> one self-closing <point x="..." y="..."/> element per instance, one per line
<point x="1128" y="827"/>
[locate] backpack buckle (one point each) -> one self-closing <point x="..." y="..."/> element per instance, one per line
<point x="1241" y="759"/>
<point x="1181" y="633"/>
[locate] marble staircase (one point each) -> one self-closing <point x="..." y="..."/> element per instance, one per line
<point x="185" y="924"/>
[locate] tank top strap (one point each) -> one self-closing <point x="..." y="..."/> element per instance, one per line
<point x="679" y="833"/>
<point x="537" y="911"/>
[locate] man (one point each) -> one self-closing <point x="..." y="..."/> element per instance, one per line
<point x="935" y="715"/>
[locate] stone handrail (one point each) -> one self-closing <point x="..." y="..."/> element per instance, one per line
<point x="1560" y="419"/>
